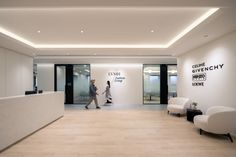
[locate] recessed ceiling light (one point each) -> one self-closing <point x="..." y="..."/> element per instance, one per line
<point x="94" y="54"/>
<point x="38" y="31"/>
<point x="152" y="31"/>
<point x="59" y="46"/>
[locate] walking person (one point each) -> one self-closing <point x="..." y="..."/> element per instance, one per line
<point x="108" y="93"/>
<point x="93" y="94"/>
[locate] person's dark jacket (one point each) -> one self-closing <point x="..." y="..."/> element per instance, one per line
<point x="92" y="90"/>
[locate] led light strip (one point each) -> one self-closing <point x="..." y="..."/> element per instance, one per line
<point x="193" y="25"/>
<point x="46" y="46"/>
<point x="102" y="57"/>
<point x="16" y="37"/>
<point x="117" y="65"/>
<point x="68" y="46"/>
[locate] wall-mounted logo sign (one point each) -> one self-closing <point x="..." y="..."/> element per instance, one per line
<point x="116" y="76"/>
<point x="199" y="72"/>
<point x="199" y="77"/>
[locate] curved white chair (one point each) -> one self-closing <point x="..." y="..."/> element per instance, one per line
<point x="178" y="105"/>
<point x="218" y="120"/>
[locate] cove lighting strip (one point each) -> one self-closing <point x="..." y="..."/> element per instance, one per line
<point x="16" y="37"/>
<point x="193" y="25"/>
<point x="146" y="46"/>
<point x="117" y="65"/>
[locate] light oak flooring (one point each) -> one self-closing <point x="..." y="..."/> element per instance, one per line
<point x="138" y="132"/>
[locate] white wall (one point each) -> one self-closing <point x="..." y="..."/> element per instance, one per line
<point x="16" y="73"/>
<point x="127" y="92"/>
<point x="220" y="86"/>
<point x="45" y="74"/>
<point x="2" y="73"/>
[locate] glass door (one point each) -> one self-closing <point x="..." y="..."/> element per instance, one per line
<point x="151" y="84"/>
<point x="61" y="79"/>
<point x="64" y="81"/>
<point x="74" y="81"/>
<point x="172" y="81"/>
<point x="81" y="78"/>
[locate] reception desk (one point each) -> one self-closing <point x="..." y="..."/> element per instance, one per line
<point x="22" y="115"/>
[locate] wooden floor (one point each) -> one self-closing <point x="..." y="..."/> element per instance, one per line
<point x="121" y="133"/>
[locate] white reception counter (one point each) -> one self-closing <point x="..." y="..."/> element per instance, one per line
<point x="22" y="115"/>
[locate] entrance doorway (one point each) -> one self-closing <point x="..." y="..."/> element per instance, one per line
<point x="151" y="84"/>
<point x="73" y="79"/>
<point x="159" y="83"/>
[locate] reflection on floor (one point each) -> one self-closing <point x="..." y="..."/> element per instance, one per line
<point x="81" y="99"/>
<point x="151" y="99"/>
<point x="120" y="107"/>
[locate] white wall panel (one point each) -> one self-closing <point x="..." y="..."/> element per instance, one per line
<point x="13" y="74"/>
<point x="16" y="74"/>
<point x="2" y="73"/>
<point x="127" y="92"/>
<point x="26" y="73"/>
<point x="45" y="77"/>
<point x="220" y="85"/>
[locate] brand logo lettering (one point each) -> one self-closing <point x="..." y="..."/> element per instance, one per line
<point x="113" y="73"/>
<point x="199" y="72"/>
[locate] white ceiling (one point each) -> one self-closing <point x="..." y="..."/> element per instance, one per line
<point x="99" y="26"/>
<point x="112" y="28"/>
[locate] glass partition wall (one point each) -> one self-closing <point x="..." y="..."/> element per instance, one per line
<point x="151" y="84"/>
<point x="172" y="81"/>
<point x="81" y="78"/>
<point x="61" y="79"/>
<point x="159" y="83"/>
<point x="73" y="79"/>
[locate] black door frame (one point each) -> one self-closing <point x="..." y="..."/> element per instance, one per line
<point x="69" y="97"/>
<point x="163" y="83"/>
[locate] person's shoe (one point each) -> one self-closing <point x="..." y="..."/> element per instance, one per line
<point x="98" y="107"/>
<point x="86" y="107"/>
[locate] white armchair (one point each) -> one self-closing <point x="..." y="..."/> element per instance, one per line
<point x="218" y="120"/>
<point x="178" y="105"/>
